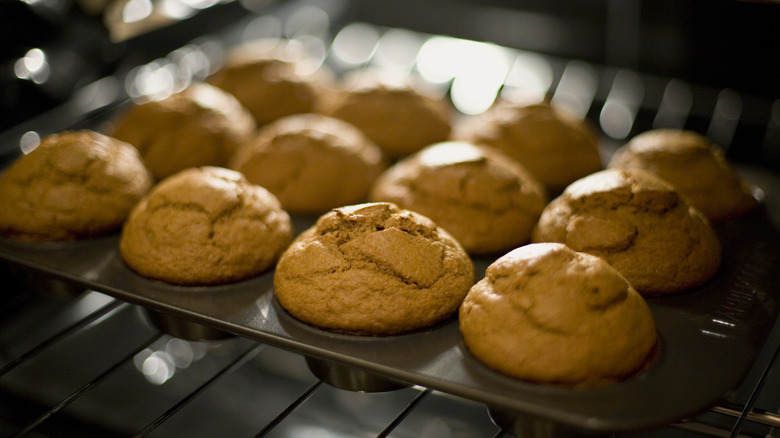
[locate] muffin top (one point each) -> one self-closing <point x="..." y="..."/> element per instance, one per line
<point x="373" y="269"/>
<point x="311" y="162"/>
<point x="400" y="117"/>
<point x="694" y="165"/>
<point x="74" y="184"/>
<point x="554" y="146"/>
<point x="548" y="314"/>
<point x="205" y="226"/>
<point x="486" y="200"/>
<point x="199" y="126"/>
<point x="273" y="78"/>
<point x="639" y="224"/>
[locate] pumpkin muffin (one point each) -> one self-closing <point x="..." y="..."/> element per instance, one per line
<point x="640" y="225"/>
<point x="373" y="269"/>
<point x="75" y="184"/>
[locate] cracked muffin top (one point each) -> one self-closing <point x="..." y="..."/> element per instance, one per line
<point x="487" y="201"/>
<point x="548" y="314"/>
<point x="75" y="184"/>
<point x="373" y="269"/>
<point x="205" y="226"/>
<point x="694" y="165"/>
<point x="199" y="126"/>
<point x="639" y="224"/>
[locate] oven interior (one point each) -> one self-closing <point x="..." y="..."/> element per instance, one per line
<point x="79" y="362"/>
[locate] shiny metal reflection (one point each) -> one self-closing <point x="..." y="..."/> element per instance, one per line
<point x="183" y="328"/>
<point x="351" y="378"/>
<point x="533" y="427"/>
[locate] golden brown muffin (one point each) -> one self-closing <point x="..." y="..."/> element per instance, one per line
<point x="199" y="126"/>
<point x="547" y="314"/>
<point x="75" y="184"/>
<point x="553" y="145"/>
<point x="373" y="269"/>
<point x="311" y="162"/>
<point x="486" y="200"/>
<point x="205" y="226"/>
<point x="640" y="225"/>
<point x="694" y="165"/>
<point x="400" y="117"/>
<point x="272" y="78"/>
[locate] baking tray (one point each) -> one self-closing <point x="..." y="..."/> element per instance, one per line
<point x="710" y="335"/>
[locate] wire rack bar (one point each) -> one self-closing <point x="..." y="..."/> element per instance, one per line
<point x="73" y="328"/>
<point x="86" y="387"/>
<point x="407" y="410"/>
<point x="290" y="408"/>
<point x="236" y="363"/>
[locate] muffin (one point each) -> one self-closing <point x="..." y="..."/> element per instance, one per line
<point x="205" y="226"/>
<point x="487" y="201"/>
<point x="400" y="117"/>
<point x="311" y="162"/>
<point x="547" y="314"/>
<point x="199" y="126"/>
<point x="554" y="146"/>
<point x="373" y="269"/>
<point x="75" y="184"/>
<point x="640" y="225"/>
<point x="272" y="78"/>
<point x="694" y="165"/>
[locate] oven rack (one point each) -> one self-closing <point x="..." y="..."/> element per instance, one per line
<point x="29" y="356"/>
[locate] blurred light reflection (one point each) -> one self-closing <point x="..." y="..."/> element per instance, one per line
<point x="161" y="364"/>
<point x="675" y="105"/>
<point x="477" y="70"/>
<point x="354" y="45"/>
<point x="530" y="78"/>
<point x="622" y="104"/>
<point x="577" y="88"/>
<point x="29" y="141"/>
<point x="725" y="118"/>
<point x="33" y="66"/>
<point x="137" y="10"/>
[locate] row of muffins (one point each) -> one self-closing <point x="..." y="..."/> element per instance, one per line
<point x="448" y="200"/>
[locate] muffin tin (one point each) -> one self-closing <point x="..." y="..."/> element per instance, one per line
<point x="709" y="336"/>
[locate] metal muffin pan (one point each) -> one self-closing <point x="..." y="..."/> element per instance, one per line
<point x="710" y="336"/>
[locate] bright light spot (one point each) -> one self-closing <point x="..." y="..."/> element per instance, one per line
<point x="153" y="80"/>
<point x="33" y="66"/>
<point x="478" y="70"/>
<point x="397" y="48"/>
<point x="307" y="20"/>
<point x="136" y="10"/>
<point x="29" y="141"/>
<point x="158" y="368"/>
<point x="181" y="9"/>
<point x="199" y="4"/>
<point x="616" y="119"/>
<point x="576" y="89"/>
<point x="530" y="78"/>
<point x="438" y="59"/>
<point x="355" y="44"/>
